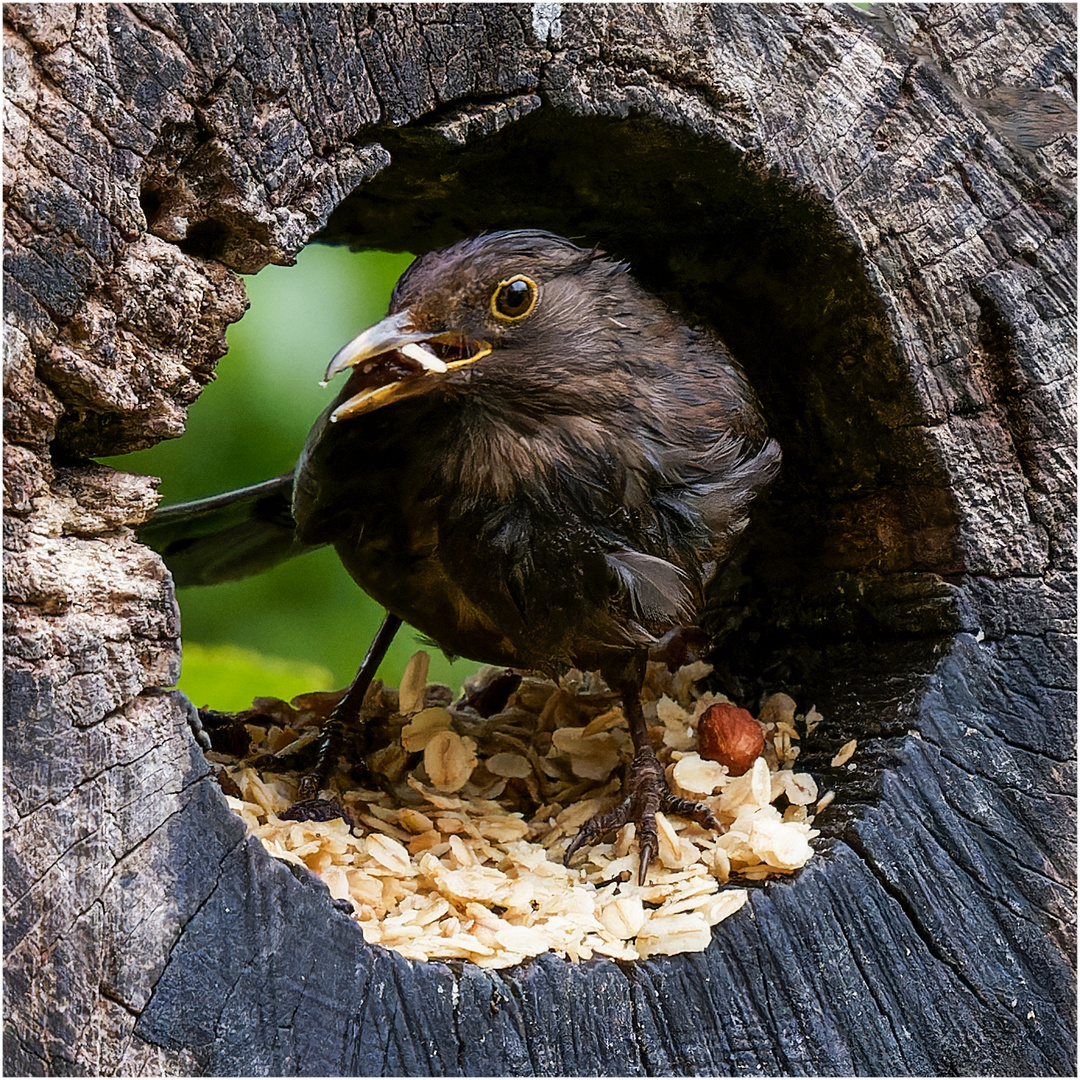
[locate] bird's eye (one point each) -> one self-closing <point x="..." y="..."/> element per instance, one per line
<point x="513" y="299"/>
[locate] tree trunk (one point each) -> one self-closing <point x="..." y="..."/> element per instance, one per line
<point x="877" y="216"/>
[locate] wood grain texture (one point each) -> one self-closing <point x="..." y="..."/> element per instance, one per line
<point x="877" y="215"/>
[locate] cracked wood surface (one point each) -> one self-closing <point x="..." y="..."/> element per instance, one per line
<point x="876" y="213"/>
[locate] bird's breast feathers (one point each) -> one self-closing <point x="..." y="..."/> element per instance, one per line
<point x="495" y="456"/>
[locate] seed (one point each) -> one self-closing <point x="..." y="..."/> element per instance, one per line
<point x="843" y="755"/>
<point x="413" y="684"/>
<point x="449" y="760"/>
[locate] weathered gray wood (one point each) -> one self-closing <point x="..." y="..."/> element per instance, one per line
<point x="875" y="213"/>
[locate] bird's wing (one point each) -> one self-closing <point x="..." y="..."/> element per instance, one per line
<point x="721" y="485"/>
<point x="719" y="458"/>
<point x="226" y="537"/>
<point x="657" y="593"/>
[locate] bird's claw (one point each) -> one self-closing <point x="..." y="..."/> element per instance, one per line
<point x="646" y="850"/>
<point x="308" y="789"/>
<point x="647" y="792"/>
<point x="316" y="810"/>
<point x="597" y="826"/>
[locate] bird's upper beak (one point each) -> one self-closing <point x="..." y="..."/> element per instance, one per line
<point x="394" y="359"/>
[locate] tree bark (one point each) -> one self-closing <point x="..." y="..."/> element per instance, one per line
<point x="877" y="215"/>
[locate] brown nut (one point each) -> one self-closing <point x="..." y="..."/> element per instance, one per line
<point x="731" y="736"/>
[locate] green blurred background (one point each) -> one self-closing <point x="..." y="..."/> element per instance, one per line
<point x="304" y="625"/>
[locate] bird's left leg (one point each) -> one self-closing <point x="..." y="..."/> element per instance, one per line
<point x="645" y="788"/>
<point x="347" y="715"/>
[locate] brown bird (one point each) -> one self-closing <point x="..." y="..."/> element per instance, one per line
<point x="533" y="462"/>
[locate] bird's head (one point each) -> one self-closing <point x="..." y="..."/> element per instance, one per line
<point x="521" y="298"/>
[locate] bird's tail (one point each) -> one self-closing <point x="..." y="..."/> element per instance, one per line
<point x="229" y="536"/>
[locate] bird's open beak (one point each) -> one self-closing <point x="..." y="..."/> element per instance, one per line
<point x="393" y="360"/>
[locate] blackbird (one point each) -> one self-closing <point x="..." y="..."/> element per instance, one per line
<point x="533" y="462"/>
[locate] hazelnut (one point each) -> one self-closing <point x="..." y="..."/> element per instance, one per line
<point x="731" y="736"/>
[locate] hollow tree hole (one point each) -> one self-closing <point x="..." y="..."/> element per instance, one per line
<point x="304" y="625"/>
<point x="840" y="596"/>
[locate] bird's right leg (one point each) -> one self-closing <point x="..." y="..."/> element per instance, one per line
<point x="645" y="789"/>
<point x="347" y="716"/>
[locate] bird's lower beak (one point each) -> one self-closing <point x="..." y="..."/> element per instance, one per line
<point x="393" y="360"/>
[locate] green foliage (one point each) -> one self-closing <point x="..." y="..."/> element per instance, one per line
<point x="250" y="425"/>
<point x="229" y="677"/>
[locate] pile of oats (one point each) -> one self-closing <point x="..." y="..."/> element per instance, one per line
<point x="460" y="856"/>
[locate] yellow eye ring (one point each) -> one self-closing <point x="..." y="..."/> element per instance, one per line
<point x="514" y="298"/>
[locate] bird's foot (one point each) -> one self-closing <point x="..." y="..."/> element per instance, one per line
<point x="316" y="810"/>
<point x="645" y="792"/>
<point x="346" y="719"/>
